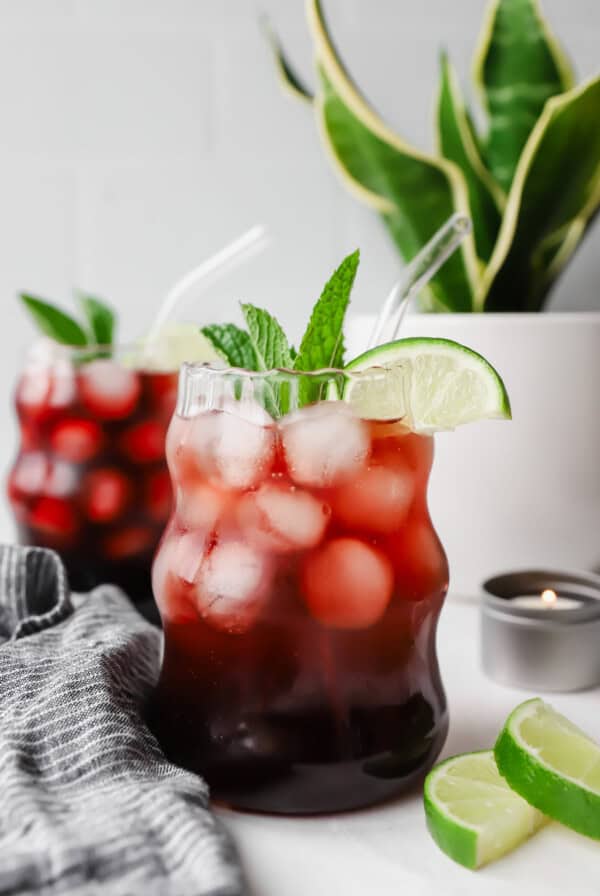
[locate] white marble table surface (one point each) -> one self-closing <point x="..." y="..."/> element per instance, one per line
<point x="386" y="851"/>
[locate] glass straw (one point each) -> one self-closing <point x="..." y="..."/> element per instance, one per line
<point x="230" y="256"/>
<point x="416" y="275"/>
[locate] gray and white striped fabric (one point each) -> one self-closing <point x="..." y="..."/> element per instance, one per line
<point x="88" y="803"/>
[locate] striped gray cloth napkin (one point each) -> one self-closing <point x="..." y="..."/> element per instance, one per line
<point x="88" y="802"/>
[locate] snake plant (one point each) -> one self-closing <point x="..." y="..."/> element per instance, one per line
<point x="530" y="182"/>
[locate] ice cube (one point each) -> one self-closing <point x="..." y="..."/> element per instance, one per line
<point x="76" y="439"/>
<point x="29" y="474"/>
<point x="108" y="390"/>
<point x="63" y="479"/>
<point x="181" y="554"/>
<point x="48" y="382"/>
<point x="282" y="518"/>
<point x="377" y="500"/>
<point x="347" y="584"/>
<point x="237" y="452"/>
<point x="232" y="586"/>
<point x="199" y="506"/>
<point x="175" y="567"/>
<point x="106" y="493"/>
<point x="324" y="444"/>
<point x="144" y="442"/>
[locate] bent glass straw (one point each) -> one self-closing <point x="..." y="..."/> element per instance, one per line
<point x="241" y="249"/>
<point x="416" y="275"/>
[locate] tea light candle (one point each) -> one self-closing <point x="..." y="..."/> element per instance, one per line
<point x="547" y="600"/>
<point x="541" y="629"/>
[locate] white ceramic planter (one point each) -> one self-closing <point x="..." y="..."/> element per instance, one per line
<point x="526" y="492"/>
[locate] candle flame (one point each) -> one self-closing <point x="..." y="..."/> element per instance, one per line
<point x="549" y="597"/>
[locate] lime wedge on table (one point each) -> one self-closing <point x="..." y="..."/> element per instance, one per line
<point x="553" y="765"/>
<point x="472" y="814"/>
<point x="435" y="384"/>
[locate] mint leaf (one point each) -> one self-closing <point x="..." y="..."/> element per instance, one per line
<point x="268" y="339"/>
<point x="233" y="344"/>
<point x="54" y="322"/>
<point x="322" y="345"/>
<point x="100" y="318"/>
<point x="272" y="351"/>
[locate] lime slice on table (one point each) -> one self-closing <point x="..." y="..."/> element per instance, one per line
<point x="472" y="814"/>
<point x="435" y="384"/>
<point x="553" y="765"/>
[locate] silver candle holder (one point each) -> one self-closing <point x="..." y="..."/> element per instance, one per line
<point x="540" y="629"/>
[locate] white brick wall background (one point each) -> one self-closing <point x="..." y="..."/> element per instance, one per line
<point x="139" y="135"/>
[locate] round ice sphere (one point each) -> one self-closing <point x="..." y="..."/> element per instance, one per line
<point x="347" y="584"/>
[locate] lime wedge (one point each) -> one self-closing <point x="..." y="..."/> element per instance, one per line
<point x="176" y="342"/>
<point x="435" y="384"/>
<point x="472" y="814"/>
<point x="553" y="765"/>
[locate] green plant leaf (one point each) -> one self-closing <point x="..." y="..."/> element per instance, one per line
<point x="415" y="193"/>
<point x="456" y="142"/>
<point x="322" y="345"/>
<point x="100" y="318"/>
<point x="518" y="66"/>
<point x="288" y="77"/>
<point x="555" y="193"/>
<point x="267" y="337"/>
<point x="54" y="322"/>
<point x="232" y="344"/>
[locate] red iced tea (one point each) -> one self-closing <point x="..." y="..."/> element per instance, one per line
<point x="299" y="583"/>
<point x="90" y="479"/>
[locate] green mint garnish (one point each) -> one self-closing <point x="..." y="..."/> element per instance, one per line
<point x="322" y="345"/>
<point x="264" y="345"/>
<point x="233" y="345"/>
<point x="100" y="318"/>
<point x="98" y="328"/>
<point x="54" y="322"/>
<point x="268" y="339"/>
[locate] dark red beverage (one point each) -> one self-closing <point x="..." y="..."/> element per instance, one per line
<point x="299" y="583"/>
<point x="90" y="479"/>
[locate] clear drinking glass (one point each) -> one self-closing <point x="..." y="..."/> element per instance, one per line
<point x="90" y="478"/>
<point x="299" y="582"/>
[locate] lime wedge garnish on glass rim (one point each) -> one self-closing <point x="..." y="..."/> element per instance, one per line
<point x="435" y="384"/>
<point x="553" y="765"/>
<point x="472" y="814"/>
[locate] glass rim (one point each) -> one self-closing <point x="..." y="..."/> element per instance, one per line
<point x="198" y="368"/>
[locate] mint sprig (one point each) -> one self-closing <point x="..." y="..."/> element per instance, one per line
<point x="322" y="345"/>
<point x="98" y="328"/>
<point x="100" y="318"/>
<point x="53" y="322"/>
<point x="268" y="339"/>
<point x="232" y="344"/>
<point x="264" y="345"/>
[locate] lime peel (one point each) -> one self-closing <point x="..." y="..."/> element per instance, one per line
<point x="472" y="814"/>
<point x="434" y="384"/>
<point x="553" y="765"/>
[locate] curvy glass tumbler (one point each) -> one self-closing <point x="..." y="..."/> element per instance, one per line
<point x="299" y="583"/>
<point x="90" y="478"/>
